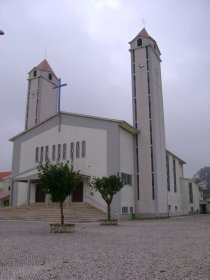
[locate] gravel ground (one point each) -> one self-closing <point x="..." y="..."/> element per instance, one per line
<point x="175" y="248"/>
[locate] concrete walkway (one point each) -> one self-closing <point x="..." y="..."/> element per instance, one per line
<point x="172" y="249"/>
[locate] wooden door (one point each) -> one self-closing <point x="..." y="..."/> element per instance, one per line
<point x="40" y="195"/>
<point x="77" y="195"/>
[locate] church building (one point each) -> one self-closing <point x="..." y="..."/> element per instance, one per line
<point x="154" y="182"/>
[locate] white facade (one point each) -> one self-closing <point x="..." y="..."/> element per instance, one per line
<point x="99" y="147"/>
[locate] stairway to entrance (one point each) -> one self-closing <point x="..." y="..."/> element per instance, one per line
<point x="76" y="212"/>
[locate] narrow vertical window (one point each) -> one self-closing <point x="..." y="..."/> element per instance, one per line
<point x="134" y="69"/>
<point x="135" y="110"/>
<point x="133" y="56"/>
<point x="42" y="154"/>
<point x="134" y="85"/>
<point x="72" y="150"/>
<point x="174" y="171"/>
<point x="83" y="149"/>
<point x="77" y="149"/>
<point x="148" y="82"/>
<point x="150" y="127"/>
<point x="138" y="192"/>
<point x="47" y="153"/>
<point x="168" y="172"/>
<point x="53" y="152"/>
<point x="147" y="55"/>
<point x="152" y="162"/>
<point x="147" y="65"/>
<point x="137" y="159"/>
<point x="150" y="108"/>
<point x="190" y="193"/>
<point x="137" y="141"/>
<point x="64" y="151"/>
<point x="59" y="152"/>
<point x="153" y="187"/>
<point x="150" y="141"/>
<point x="37" y="154"/>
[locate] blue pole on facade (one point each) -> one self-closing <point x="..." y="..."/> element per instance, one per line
<point x="59" y="95"/>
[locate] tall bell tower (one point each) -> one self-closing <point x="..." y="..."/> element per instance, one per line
<point x="41" y="97"/>
<point x="148" y="118"/>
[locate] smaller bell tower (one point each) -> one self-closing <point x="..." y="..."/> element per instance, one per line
<point x="41" y="97"/>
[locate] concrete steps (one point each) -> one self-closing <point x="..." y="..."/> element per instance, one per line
<point x="75" y="212"/>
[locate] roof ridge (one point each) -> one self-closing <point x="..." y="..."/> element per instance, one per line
<point x="44" y="66"/>
<point x="4" y="174"/>
<point x="143" y="33"/>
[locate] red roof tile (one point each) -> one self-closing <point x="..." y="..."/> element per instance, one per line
<point x="4" y="174"/>
<point x="143" y="33"/>
<point x="44" y="66"/>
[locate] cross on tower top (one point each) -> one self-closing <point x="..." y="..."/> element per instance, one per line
<point x="144" y="21"/>
<point x="59" y="94"/>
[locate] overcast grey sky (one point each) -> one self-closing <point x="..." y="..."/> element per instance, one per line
<point x="86" y="44"/>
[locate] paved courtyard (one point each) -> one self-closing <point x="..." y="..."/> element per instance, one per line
<point x="175" y="248"/>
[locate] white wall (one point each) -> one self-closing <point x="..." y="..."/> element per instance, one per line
<point x="174" y="198"/>
<point x="33" y="193"/>
<point x="47" y="98"/>
<point x="32" y="101"/>
<point x="22" y="193"/>
<point x="93" y="164"/>
<point x="186" y="205"/>
<point x="127" y="166"/>
<point x="96" y="148"/>
<point x="42" y="98"/>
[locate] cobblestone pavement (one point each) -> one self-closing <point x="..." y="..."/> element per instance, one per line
<point x="172" y="249"/>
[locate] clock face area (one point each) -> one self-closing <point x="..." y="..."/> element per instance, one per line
<point x="140" y="67"/>
<point x="33" y="94"/>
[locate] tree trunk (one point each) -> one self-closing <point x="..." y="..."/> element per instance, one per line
<point x="109" y="211"/>
<point x="62" y="216"/>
